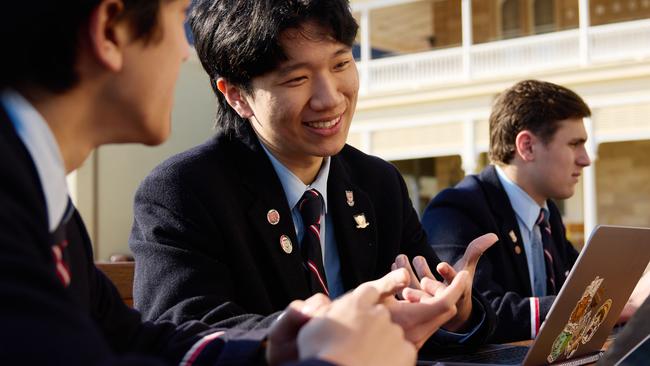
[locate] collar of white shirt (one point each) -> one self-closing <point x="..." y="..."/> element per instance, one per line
<point x="293" y="186"/>
<point x="44" y="150"/>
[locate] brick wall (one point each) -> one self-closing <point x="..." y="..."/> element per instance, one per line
<point x="623" y="183"/>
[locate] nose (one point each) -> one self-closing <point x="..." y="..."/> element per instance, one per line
<point x="582" y="159"/>
<point x="325" y="93"/>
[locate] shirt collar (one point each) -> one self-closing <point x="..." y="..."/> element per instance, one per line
<point x="44" y="150"/>
<point x="293" y="186"/>
<point x="526" y="209"/>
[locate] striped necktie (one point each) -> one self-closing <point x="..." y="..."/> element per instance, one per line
<point x="547" y="243"/>
<point x="310" y="208"/>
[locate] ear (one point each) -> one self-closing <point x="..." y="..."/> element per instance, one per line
<point x="108" y="34"/>
<point x="525" y="145"/>
<point x="235" y="97"/>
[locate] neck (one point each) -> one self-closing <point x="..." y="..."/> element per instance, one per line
<point x="69" y="120"/>
<point x="305" y="168"/>
<point x="518" y="175"/>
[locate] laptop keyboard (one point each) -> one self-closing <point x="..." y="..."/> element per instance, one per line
<point x="506" y="356"/>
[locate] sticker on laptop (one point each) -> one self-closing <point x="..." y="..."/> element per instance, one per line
<point x="585" y="319"/>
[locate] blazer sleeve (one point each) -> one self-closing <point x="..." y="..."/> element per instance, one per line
<point x="450" y="230"/>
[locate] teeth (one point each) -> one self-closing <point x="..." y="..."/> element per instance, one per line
<point x="326" y="124"/>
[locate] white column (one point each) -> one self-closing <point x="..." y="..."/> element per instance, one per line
<point x="366" y="49"/>
<point x="469" y="156"/>
<point x="589" y="181"/>
<point x="466" y="17"/>
<point x="583" y="12"/>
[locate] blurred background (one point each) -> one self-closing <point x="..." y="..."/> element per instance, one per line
<point x="429" y="71"/>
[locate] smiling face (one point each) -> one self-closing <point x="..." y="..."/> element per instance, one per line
<point x="302" y="110"/>
<point x="556" y="166"/>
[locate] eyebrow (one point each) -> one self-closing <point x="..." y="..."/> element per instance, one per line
<point x="284" y="70"/>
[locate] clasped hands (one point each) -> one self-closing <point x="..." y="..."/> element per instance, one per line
<point x="350" y="330"/>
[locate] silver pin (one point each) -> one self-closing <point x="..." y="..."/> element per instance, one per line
<point x="286" y="244"/>
<point x="360" y="219"/>
<point x="513" y="237"/>
<point x="349" y="196"/>
<point x="273" y="216"/>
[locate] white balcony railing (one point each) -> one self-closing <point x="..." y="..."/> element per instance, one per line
<point x="553" y="51"/>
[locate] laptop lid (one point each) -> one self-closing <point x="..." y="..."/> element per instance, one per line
<point x="631" y="338"/>
<point x="593" y="296"/>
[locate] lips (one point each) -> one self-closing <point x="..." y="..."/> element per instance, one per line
<point x="327" y="124"/>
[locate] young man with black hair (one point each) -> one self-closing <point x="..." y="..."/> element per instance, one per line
<point x="79" y="74"/>
<point x="276" y="206"/>
<point x="537" y="146"/>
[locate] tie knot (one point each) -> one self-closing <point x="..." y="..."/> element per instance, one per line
<point x="542" y="219"/>
<point x="310" y="206"/>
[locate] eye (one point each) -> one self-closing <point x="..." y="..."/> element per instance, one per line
<point x="342" y="65"/>
<point x="295" y="81"/>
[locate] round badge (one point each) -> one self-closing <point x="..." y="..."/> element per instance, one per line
<point x="517" y="249"/>
<point x="273" y="216"/>
<point x="286" y="244"/>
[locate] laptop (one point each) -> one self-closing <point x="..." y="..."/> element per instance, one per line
<point x="632" y="344"/>
<point x="586" y="308"/>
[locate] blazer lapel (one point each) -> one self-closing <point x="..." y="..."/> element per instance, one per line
<point x="355" y="226"/>
<point x="265" y="192"/>
<point x="510" y="236"/>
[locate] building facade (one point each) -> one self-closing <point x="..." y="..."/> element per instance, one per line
<point x="431" y="68"/>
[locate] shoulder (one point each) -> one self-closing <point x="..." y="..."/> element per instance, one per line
<point x="467" y="193"/>
<point x="185" y="179"/>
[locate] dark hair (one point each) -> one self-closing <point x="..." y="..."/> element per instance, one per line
<point x="41" y="38"/>
<point x="240" y="39"/>
<point x="533" y="105"/>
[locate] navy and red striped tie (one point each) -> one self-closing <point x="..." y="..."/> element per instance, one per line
<point x="547" y="243"/>
<point x="310" y="207"/>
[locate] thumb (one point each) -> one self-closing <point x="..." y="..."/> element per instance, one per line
<point x="474" y="251"/>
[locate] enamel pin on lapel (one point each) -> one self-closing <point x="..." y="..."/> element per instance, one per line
<point x="349" y="196"/>
<point x="286" y="244"/>
<point x="360" y="219"/>
<point x="513" y="237"/>
<point x="517" y="249"/>
<point x="273" y="216"/>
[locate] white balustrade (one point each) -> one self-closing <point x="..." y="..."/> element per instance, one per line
<point x="618" y="42"/>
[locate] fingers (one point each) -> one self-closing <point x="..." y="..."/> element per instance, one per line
<point x="364" y="296"/>
<point x="474" y="251"/>
<point x="456" y="287"/>
<point x="432" y="286"/>
<point x="315" y="305"/>
<point x="402" y="261"/>
<point x="391" y="283"/>
<point x="422" y="267"/>
<point x="446" y="271"/>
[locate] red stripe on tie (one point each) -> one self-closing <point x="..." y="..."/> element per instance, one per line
<point x="198" y="347"/>
<point x="61" y="268"/>
<point x="548" y="256"/>
<point x="536" y="316"/>
<point x="315" y="230"/>
<point x="314" y="269"/>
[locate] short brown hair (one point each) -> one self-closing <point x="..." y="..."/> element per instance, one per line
<point x="533" y="105"/>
